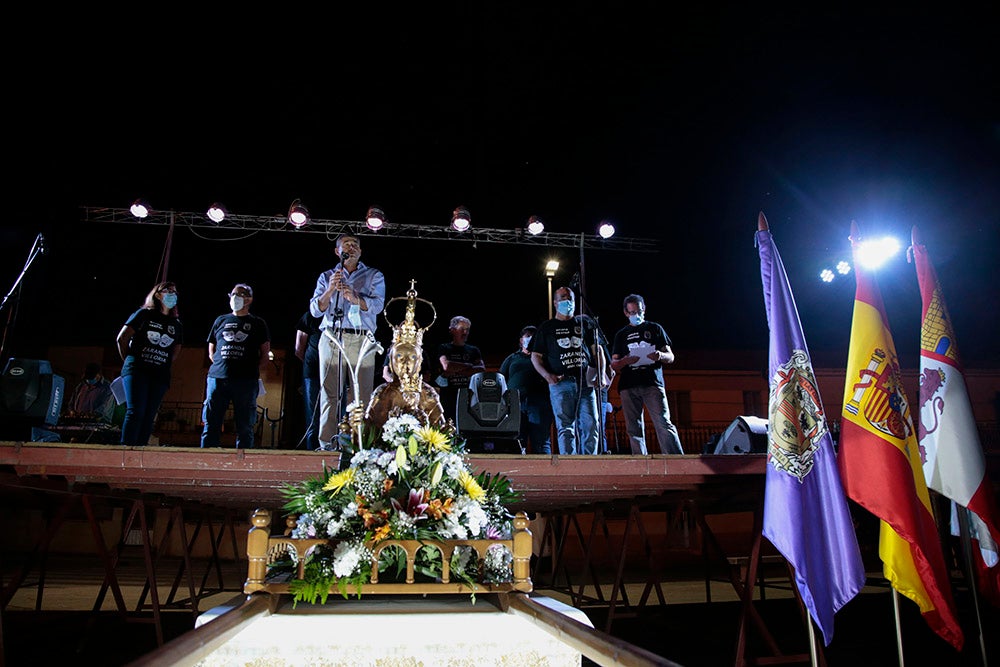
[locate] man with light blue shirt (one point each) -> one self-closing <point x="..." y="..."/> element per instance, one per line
<point x="348" y="299"/>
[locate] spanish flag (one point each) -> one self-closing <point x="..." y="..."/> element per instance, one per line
<point x="880" y="463"/>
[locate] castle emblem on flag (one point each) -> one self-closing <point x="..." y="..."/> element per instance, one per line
<point x="796" y="417"/>
<point x="878" y="396"/>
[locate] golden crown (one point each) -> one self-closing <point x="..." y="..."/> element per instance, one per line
<point x="409" y="330"/>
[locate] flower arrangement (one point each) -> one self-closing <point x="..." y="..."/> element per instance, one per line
<point x="410" y="482"/>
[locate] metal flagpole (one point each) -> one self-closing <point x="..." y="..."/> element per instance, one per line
<point x="899" y="629"/>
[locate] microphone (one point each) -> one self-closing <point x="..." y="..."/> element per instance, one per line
<point x="41" y="244"/>
<point x="344" y="256"/>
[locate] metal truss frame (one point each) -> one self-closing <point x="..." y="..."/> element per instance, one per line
<point x="334" y="228"/>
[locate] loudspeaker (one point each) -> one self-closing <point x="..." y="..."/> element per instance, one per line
<point x="746" y="435"/>
<point x="488" y="413"/>
<point x="30" y="395"/>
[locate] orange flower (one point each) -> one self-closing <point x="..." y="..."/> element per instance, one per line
<point x="437" y="509"/>
<point x="381" y="533"/>
<point x="386" y="486"/>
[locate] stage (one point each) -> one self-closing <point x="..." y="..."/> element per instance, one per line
<point x="247" y="479"/>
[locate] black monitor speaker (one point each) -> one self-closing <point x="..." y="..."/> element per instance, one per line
<point x="488" y="414"/>
<point x="746" y="435"/>
<point x="30" y="395"/>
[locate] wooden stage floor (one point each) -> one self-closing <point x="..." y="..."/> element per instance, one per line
<point x="243" y="479"/>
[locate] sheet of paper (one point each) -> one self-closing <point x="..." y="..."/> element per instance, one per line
<point x="642" y="349"/>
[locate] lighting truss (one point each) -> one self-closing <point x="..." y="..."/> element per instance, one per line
<point x="334" y="228"/>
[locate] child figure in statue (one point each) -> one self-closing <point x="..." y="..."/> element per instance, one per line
<point x="407" y="393"/>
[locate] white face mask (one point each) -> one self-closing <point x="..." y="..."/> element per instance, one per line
<point x="525" y="342"/>
<point x="236" y="303"/>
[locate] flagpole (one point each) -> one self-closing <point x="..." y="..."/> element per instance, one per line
<point x="965" y="534"/>
<point x="812" y="640"/>
<point x="899" y="629"/>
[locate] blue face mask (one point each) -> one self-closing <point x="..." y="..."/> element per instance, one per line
<point x="635" y="320"/>
<point x="169" y="300"/>
<point x="565" y="307"/>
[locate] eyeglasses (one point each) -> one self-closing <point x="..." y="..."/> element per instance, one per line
<point x="169" y="290"/>
<point x="240" y="294"/>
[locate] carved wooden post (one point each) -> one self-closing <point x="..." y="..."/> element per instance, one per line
<point x="257" y="541"/>
<point x="522" y="553"/>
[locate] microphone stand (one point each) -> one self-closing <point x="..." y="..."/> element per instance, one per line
<point x="37" y="248"/>
<point x="600" y="340"/>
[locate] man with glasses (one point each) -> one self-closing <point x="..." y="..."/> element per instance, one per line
<point x="237" y="346"/>
<point x="639" y="352"/>
<point x="348" y="299"/>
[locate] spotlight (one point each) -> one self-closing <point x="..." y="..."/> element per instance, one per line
<point x="298" y="215"/>
<point x="216" y="212"/>
<point x="873" y="254"/>
<point x="139" y="208"/>
<point x="375" y="218"/>
<point x="461" y="219"/>
<point x="551" y="267"/>
<point x="826" y="275"/>
<point x="535" y="225"/>
<point x="843" y="268"/>
<point x="606" y="230"/>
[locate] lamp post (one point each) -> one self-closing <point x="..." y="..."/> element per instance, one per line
<point x="550" y="271"/>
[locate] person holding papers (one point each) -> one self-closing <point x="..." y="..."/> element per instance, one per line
<point x="639" y="351"/>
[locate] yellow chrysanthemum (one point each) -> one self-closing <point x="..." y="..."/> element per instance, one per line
<point x="339" y="481"/>
<point x="471" y="486"/>
<point x="435" y="439"/>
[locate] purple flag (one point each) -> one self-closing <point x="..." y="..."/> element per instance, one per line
<point x="805" y="510"/>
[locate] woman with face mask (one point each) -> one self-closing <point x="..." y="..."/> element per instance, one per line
<point x="148" y="344"/>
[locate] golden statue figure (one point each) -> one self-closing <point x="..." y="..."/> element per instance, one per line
<point x="407" y="393"/>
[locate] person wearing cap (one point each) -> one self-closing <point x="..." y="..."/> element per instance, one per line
<point x="348" y="298"/>
<point x="92" y="398"/>
<point x="533" y="392"/>
<point x="237" y="346"/>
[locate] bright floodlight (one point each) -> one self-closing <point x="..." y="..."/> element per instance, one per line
<point x="551" y="267"/>
<point x="216" y="212"/>
<point x="606" y="230"/>
<point x="298" y="215"/>
<point x="375" y="218"/>
<point x="139" y="208"/>
<point x="535" y="225"/>
<point x="843" y="268"/>
<point x="826" y="275"/>
<point x="461" y="219"/>
<point x="876" y="252"/>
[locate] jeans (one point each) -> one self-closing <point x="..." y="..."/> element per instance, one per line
<point x="575" y="410"/>
<point x="218" y="394"/>
<point x="335" y="377"/>
<point x="655" y="400"/>
<point x="536" y="423"/>
<point x="143" y="394"/>
<point x="310" y="395"/>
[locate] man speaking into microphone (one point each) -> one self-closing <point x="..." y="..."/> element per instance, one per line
<point x="348" y="298"/>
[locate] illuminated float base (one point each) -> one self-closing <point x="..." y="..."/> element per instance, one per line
<point x="391" y="631"/>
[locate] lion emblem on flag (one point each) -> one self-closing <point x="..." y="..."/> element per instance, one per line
<point x="796" y="418"/>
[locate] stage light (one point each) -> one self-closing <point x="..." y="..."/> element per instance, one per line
<point x="216" y="212"/>
<point x="551" y="267"/>
<point x="375" y="218"/>
<point x="461" y="219"/>
<point x="535" y="225"/>
<point x="140" y="208"/>
<point x="606" y="230"/>
<point x="843" y="268"/>
<point x="826" y="275"/>
<point x="876" y="252"/>
<point x="298" y="214"/>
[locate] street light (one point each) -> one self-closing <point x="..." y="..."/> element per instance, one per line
<point x="550" y="271"/>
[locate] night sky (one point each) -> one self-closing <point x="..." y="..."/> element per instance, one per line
<point x="676" y="124"/>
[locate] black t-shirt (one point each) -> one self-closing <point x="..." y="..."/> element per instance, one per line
<point x="310" y="325"/>
<point x="636" y="340"/>
<point x="468" y="354"/>
<point x="152" y="345"/>
<point x="521" y="374"/>
<point x="237" y="346"/>
<point x="565" y="345"/>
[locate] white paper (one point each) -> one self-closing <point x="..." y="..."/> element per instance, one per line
<point x="642" y="349"/>
<point x="118" y="389"/>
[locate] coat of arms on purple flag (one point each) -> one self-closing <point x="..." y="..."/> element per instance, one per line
<point x="806" y="516"/>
